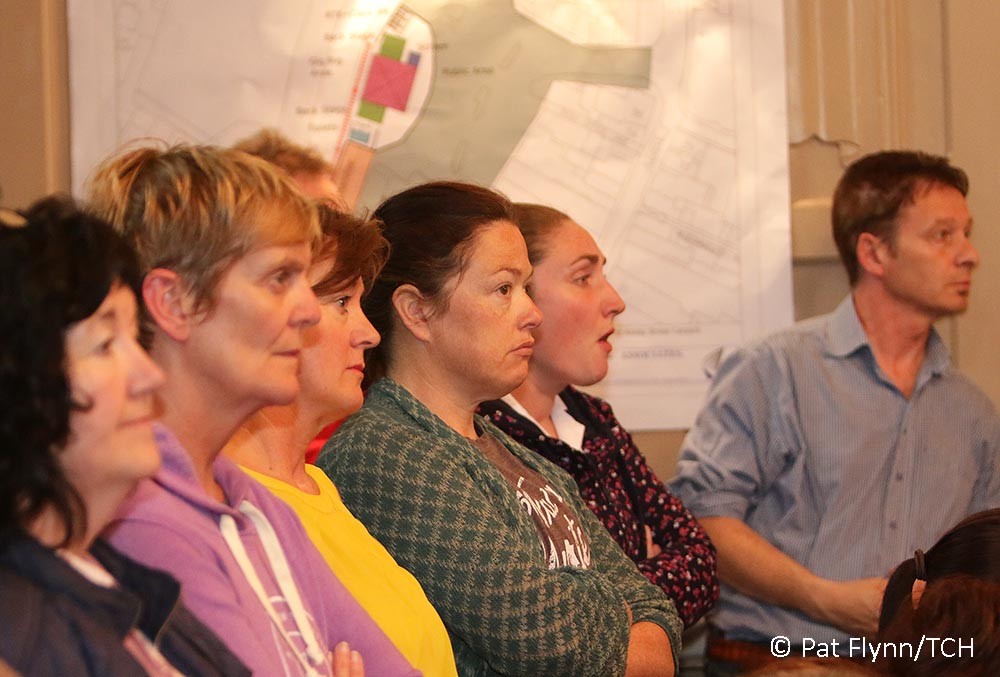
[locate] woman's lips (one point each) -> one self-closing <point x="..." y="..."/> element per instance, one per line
<point x="145" y="419"/>
<point x="525" y="349"/>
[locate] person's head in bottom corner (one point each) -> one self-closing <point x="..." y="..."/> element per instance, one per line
<point x="950" y="592"/>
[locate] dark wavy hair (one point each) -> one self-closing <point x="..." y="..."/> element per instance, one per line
<point x="56" y="268"/>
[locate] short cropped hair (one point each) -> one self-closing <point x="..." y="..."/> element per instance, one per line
<point x="56" y="268"/>
<point x="872" y="191"/>
<point x="197" y="209"/>
<point x="354" y="245"/>
<point x="273" y="146"/>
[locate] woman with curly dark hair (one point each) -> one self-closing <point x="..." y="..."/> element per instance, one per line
<point x="75" y="439"/>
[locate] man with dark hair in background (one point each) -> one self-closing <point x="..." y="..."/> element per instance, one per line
<point x="827" y="453"/>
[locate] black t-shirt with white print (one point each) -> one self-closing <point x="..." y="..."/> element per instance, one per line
<point x="562" y="537"/>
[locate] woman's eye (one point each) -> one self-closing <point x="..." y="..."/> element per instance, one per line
<point x="282" y="279"/>
<point x="505" y="289"/>
<point x="583" y="279"/>
<point x="104" y="347"/>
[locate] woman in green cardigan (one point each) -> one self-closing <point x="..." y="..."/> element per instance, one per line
<point x="526" y="579"/>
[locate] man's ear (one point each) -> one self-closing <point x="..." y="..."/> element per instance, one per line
<point x="872" y="252"/>
<point x="168" y="302"/>
<point x="413" y="309"/>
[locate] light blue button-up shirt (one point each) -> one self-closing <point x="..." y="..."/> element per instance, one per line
<point x="805" y="439"/>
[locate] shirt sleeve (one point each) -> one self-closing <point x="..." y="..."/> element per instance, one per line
<point x="986" y="494"/>
<point x="646" y="601"/>
<point x="739" y="443"/>
<point x="481" y="567"/>
<point x="686" y="568"/>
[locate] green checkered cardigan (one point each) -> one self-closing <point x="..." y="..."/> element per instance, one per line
<point x="449" y="516"/>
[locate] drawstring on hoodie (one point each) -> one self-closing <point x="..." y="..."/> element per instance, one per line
<point x="283" y="576"/>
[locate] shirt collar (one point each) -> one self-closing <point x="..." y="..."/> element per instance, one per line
<point x="845" y="335"/>
<point x="568" y="429"/>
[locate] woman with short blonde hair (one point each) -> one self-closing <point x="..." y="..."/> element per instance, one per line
<point x="226" y="243"/>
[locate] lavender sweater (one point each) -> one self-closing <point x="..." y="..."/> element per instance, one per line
<point x="171" y="523"/>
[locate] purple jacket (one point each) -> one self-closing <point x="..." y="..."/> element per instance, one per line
<point x="171" y="523"/>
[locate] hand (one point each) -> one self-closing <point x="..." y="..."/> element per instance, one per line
<point x="346" y="663"/>
<point x="852" y="606"/>
<point x="649" y="652"/>
<point x="652" y="549"/>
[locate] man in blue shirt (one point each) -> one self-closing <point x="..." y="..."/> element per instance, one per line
<point x="827" y="453"/>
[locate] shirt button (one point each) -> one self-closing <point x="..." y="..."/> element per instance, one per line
<point x="899" y="477"/>
<point x="892" y="524"/>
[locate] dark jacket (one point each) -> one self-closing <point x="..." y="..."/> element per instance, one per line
<point x="56" y="622"/>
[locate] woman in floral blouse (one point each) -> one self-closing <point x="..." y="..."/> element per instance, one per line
<point x="579" y="432"/>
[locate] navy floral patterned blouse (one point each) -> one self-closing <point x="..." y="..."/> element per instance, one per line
<point x="626" y="495"/>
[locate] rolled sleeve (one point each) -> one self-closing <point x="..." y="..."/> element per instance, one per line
<point x="736" y="447"/>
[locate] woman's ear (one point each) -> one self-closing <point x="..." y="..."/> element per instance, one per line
<point x="413" y="310"/>
<point x="168" y="302"/>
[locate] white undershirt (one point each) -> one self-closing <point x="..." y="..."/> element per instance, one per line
<point x="568" y="429"/>
<point x="136" y="643"/>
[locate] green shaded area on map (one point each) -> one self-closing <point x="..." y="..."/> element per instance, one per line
<point x="392" y="47"/>
<point x="492" y="69"/>
<point x="371" y="111"/>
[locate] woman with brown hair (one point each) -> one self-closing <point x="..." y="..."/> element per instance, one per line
<point x="525" y="578"/>
<point x="579" y="432"/>
<point x="225" y="242"/>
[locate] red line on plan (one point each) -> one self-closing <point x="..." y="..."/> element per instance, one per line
<point x="354" y="97"/>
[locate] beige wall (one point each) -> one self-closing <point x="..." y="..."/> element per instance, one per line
<point x="34" y="125"/>
<point x="863" y="75"/>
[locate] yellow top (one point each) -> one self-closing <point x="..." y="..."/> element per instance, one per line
<point x="388" y="592"/>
